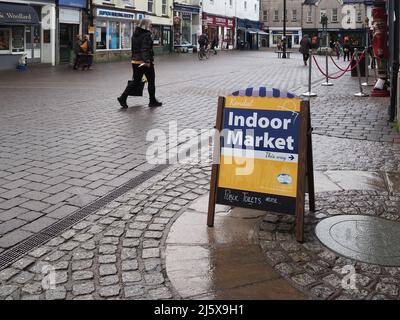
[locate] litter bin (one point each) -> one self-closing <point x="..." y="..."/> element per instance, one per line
<point x="362" y="64"/>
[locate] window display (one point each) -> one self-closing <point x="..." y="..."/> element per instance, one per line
<point x="156" y="31"/>
<point x="126" y="35"/>
<point x="18" y="39"/>
<point x="101" y="35"/>
<point x="114" y="35"/>
<point x="186" y="27"/>
<point x="4" y="39"/>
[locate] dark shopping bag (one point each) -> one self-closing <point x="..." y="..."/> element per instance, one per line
<point x="136" y="91"/>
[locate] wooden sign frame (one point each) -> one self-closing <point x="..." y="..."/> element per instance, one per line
<point x="305" y="178"/>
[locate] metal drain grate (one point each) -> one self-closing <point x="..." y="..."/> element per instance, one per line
<point x="11" y="255"/>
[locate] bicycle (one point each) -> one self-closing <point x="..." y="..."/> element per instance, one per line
<point x="204" y="52"/>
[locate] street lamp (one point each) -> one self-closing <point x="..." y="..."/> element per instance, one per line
<point x="284" y="31"/>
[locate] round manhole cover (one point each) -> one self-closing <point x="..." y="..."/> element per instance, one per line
<point x="363" y="238"/>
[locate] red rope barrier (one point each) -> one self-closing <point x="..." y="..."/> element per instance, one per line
<point x="352" y="58"/>
<point x="344" y="71"/>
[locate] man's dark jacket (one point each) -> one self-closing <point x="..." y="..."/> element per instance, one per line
<point x="142" y="45"/>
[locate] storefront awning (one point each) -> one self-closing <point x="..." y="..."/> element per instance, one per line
<point x="17" y="14"/>
<point x="263" y="32"/>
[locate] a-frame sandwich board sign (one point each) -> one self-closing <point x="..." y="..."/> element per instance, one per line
<point x="263" y="154"/>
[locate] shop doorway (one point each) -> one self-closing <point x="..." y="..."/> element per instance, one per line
<point x="68" y="33"/>
<point x="33" y="43"/>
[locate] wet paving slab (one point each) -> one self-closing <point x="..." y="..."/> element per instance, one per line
<point x="223" y="262"/>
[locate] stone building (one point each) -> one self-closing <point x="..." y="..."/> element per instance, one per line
<point x="114" y="22"/>
<point x="346" y="19"/>
<point x="272" y="18"/>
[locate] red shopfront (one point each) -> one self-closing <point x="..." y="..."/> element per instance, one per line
<point x="223" y="27"/>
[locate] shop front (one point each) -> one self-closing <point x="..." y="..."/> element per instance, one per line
<point x="186" y="25"/>
<point x="70" y="25"/>
<point x="293" y="36"/>
<point x="113" y="31"/>
<point x="221" y="27"/>
<point x="27" y="31"/>
<point x="250" y="34"/>
<point x="355" y="36"/>
<point x="162" y="34"/>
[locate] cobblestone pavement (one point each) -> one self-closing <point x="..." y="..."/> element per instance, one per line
<point x="318" y="271"/>
<point x="66" y="140"/>
<point x="116" y="252"/>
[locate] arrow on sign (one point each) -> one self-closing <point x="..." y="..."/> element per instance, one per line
<point x="291" y="157"/>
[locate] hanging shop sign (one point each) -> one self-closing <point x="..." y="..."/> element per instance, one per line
<point x="265" y="145"/>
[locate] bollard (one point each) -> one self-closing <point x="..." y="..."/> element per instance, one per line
<point x="326" y="83"/>
<point x="361" y="93"/>
<point x="309" y="93"/>
<point x="366" y="83"/>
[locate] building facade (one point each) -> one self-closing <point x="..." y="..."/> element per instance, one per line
<point x="346" y="20"/>
<point x="235" y="22"/>
<point x="114" y="22"/>
<point x="27" y="29"/>
<point x="249" y="29"/>
<point x="161" y="14"/>
<point x="272" y="16"/>
<point x="187" y="23"/>
<point x="72" y="20"/>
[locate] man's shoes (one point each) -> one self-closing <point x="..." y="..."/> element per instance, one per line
<point x="155" y="103"/>
<point x="122" y="102"/>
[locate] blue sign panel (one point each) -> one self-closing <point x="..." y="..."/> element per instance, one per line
<point x="72" y="3"/>
<point x="248" y="24"/>
<point x="261" y="130"/>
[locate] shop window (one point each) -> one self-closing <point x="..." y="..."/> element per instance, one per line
<point x="113" y="35"/>
<point x="4" y="39"/>
<point x="46" y="36"/>
<point x="156" y="31"/>
<point x="296" y="40"/>
<point x="101" y="35"/>
<point x="276" y="38"/>
<point x="18" y="39"/>
<point x="126" y="35"/>
<point x="166" y="37"/>
<point x="186" y="27"/>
